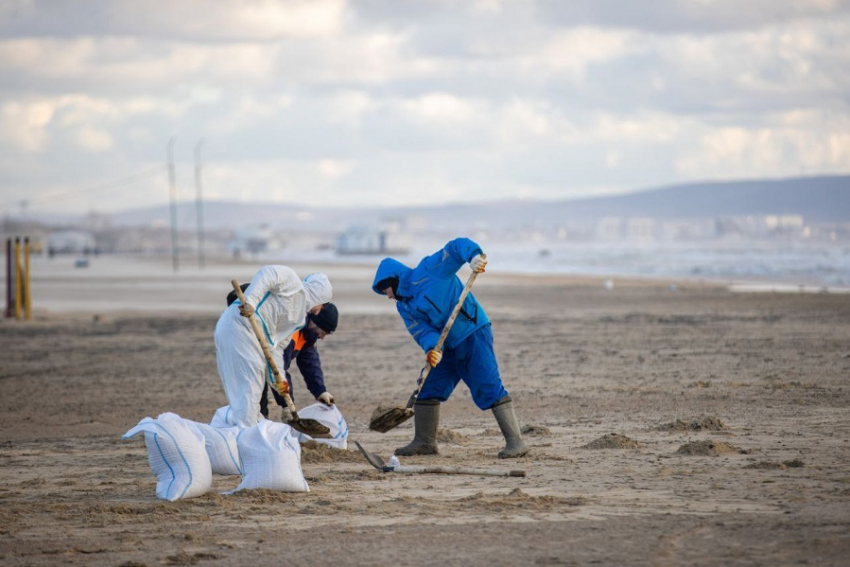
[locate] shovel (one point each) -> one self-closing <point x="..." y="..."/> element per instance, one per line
<point x="309" y="426"/>
<point x="383" y="418"/>
<point x="379" y="464"/>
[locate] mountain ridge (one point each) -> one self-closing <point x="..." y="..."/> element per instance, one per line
<point x="818" y="199"/>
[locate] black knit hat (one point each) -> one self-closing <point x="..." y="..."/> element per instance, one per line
<point x="231" y="297"/>
<point x="327" y="318"/>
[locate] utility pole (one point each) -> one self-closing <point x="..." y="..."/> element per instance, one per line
<point x="172" y="180"/>
<point x="199" y="202"/>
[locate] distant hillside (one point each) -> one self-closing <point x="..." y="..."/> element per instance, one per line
<point x="817" y="199"/>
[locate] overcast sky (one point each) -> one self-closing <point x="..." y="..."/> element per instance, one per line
<point x="392" y="102"/>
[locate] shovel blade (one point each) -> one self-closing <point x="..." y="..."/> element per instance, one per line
<point x="373" y="459"/>
<point x="310" y="426"/>
<point x="383" y="421"/>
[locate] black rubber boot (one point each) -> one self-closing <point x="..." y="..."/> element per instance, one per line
<point x="426" y="417"/>
<point x="503" y="410"/>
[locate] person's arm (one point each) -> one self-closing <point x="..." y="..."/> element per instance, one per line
<point x="425" y="335"/>
<point x="286" y="359"/>
<point x="311" y="369"/>
<point x="447" y="261"/>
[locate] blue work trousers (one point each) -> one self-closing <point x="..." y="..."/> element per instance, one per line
<point x="472" y="361"/>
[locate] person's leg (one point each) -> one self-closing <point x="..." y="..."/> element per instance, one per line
<point x="241" y="376"/>
<point x="285" y="414"/>
<point x="426" y="418"/>
<point x="503" y="411"/>
<point x="438" y="386"/>
<point x="480" y="371"/>
<point x="264" y="402"/>
<point x="478" y="368"/>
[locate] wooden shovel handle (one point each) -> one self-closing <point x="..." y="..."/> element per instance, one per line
<point x="448" y="327"/>
<point x="279" y="383"/>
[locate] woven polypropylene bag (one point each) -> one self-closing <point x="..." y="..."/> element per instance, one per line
<point x="176" y="455"/>
<point x="271" y="458"/>
<point x="222" y="449"/>
<point x="223" y="417"/>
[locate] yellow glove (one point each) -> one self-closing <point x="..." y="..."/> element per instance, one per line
<point x="282" y="387"/>
<point x="326" y="398"/>
<point x="246" y="310"/>
<point x="434" y="357"/>
<point x="478" y="263"/>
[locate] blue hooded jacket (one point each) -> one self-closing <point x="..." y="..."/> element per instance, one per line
<point x="428" y="293"/>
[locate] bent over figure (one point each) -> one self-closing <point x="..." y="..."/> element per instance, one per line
<point x="281" y="302"/>
<point x="425" y="297"/>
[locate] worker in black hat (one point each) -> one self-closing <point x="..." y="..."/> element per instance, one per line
<point x="303" y="349"/>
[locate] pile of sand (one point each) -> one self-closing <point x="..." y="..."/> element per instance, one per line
<point x="613" y="441"/>
<point x="449" y="436"/>
<point x="315" y="452"/>
<point x="708" y="447"/>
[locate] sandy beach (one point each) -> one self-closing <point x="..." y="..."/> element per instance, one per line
<point x="684" y="425"/>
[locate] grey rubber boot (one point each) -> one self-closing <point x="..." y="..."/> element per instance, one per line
<point x="426" y="417"/>
<point x="506" y="418"/>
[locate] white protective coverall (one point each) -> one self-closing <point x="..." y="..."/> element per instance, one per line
<point x="281" y="301"/>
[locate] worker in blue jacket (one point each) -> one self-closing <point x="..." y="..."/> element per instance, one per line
<point x="425" y="297"/>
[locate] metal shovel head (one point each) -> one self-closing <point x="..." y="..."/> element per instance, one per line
<point x="386" y="418"/>
<point x="309" y="426"/>
<point x="373" y="459"/>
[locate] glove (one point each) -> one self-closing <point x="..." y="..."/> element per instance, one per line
<point x="326" y="398"/>
<point x="246" y="310"/>
<point x="434" y="357"/>
<point x="282" y="387"/>
<point x="478" y="263"/>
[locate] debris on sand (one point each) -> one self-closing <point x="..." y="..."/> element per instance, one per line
<point x="794" y="463"/>
<point x="315" y="452"/>
<point x="708" y="447"/>
<point x="613" y="441"/>
<point x="710" y="423"/>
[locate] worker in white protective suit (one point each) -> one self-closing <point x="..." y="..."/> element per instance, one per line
<point x="281" y="301"/>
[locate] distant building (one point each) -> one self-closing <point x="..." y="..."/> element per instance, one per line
<point x="253" y="241"/>
<point x="784" y="223"/>
<point x="367" y="240"/>
<point x="640" y="229"/>
<point x="71" y="242"/>
<point x="610" y="228"/>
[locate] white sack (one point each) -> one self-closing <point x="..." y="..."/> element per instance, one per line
<point x="222" y="449"/>
<point x="331" y="418"/>
<point x="223" y="417"/>
<point x="271" y="458"/>
<point x="176" y="455"/>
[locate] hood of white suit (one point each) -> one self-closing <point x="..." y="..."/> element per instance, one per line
<point x="318" y="288"/>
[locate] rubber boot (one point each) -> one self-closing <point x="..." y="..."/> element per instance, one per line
<point x="426" y="417"/>
<point x="503" y="410"/>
